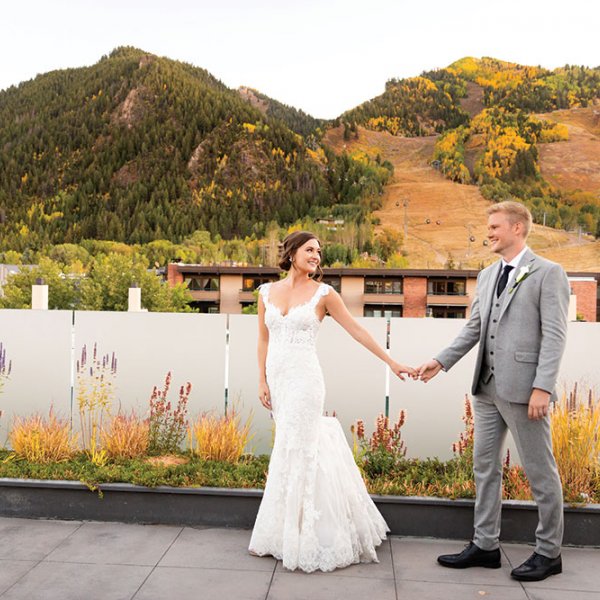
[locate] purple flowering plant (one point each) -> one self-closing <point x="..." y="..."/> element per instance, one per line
<point x="96" y="379"/>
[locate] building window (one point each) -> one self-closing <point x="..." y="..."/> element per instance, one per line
<point x="334" y="282"/>
<point x="249" y="284"/>
<point x="198" y="283"/>
<point x="446" y="287"/>
<point x="447" y="312"/>
<point x="383" y="285"/>
<point x="382" y="310"/>
<point x="211" y="308"/>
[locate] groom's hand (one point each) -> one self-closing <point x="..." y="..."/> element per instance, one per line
<point x="429" y="370"/>
<point x="538" y="404"/>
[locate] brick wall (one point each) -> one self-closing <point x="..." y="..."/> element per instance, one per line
<point x="173" y="275"/>
<point x="585" y="290"/>
<point x="415" y="297"/>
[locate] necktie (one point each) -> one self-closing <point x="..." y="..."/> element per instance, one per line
<point x="503" y="279"/>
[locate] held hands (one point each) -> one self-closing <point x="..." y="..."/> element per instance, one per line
<point x="428" y="370"/>
<point x="264" y="395"/>
<point x="538" y="404"/>
<point x="401" y="370"/>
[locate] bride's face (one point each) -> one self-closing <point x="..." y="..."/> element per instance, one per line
<point x="308" y="257"/>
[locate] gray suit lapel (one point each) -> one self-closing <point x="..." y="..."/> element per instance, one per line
<point x="487" y="295"/>
<point x="527" y="259"/>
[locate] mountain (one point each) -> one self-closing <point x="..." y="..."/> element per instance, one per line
<point x="497" y="128"/>
<point x="139" y="147"/>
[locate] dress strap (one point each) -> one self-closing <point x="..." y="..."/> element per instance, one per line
<point x="263" y="290"/>
<point x="322" y="290"/>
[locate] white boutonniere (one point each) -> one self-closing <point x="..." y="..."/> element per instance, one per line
<point x="524" y="273"/>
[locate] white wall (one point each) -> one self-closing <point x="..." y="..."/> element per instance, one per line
<point x="44" y="346"/>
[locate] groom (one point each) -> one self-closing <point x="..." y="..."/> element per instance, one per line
<point x="519" y="318"/>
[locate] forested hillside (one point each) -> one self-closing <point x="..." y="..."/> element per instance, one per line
<point x="297" y="120"/>
<point x="138" y="147"/>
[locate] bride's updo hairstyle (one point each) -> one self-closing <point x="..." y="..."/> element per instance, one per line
<point x="291" y="244"/>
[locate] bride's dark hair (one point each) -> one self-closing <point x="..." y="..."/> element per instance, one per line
<point x="291" y="244"/>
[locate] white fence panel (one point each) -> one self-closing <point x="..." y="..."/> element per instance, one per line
<point x="149" y="345"/>
<point x="354" y="378"/>
<point x="243" y="380"/>
<point x="39" y="345"/>
<point x="44" y="346"/>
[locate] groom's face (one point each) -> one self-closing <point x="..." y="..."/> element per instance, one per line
<point x="504" y="237"/>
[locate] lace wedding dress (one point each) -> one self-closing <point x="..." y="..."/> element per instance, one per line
<point x="315" y="513"/>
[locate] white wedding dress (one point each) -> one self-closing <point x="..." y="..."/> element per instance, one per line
<point x="315" y="513"/>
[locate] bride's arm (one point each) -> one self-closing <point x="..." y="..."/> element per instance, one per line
<point x="264" y="394"/>
<point x="337" y="309"/>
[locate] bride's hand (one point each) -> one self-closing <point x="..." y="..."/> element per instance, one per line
<point x="401" y="370"/>
<point x="264" y="395"/>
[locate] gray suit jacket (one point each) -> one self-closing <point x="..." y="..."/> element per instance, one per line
<point x="531" y="334"/>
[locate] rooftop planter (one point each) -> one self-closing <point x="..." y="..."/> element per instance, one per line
<point x="224" y="507"/>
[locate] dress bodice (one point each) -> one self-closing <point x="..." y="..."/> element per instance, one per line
<point x="300" y="325"/>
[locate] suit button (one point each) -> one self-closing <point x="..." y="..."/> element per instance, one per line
<point x="497" y="305"/>
<point x="492" y="352"/>
<point x="492" y="368"/>
<point x="495" y="321"/>
<point x="492" y="336"/>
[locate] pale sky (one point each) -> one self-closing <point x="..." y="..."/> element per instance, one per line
<point x="323" y="56"/>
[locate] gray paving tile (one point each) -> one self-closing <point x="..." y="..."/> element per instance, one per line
<point x="215" y="549"/>
<point x="381" y="570"/>
<point x="12" y="570"/>
<point x="416" y="560"/>
<point x="580" y="568"/>
<point x="329" y="586"/>
<point x="116" y="543"/>
<point x="32" y="539"/>
<point x="545" y="594"/>
<point x="70" y="581"/>
<point x="426" y="590"/>
<point x="204" y="584"/>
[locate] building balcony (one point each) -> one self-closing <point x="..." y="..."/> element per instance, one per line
<point x="448" y="299"/>
<point x="384" y="298"/>
<point x="246" y="296"/>
<point x="206" y="295"/>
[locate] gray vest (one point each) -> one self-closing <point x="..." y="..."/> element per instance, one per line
<point x="487" y="368"/>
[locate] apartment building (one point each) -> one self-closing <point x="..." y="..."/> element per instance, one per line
<point x="366" y="292"/>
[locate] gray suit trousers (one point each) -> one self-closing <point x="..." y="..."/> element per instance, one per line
<point x="493" y="417"/>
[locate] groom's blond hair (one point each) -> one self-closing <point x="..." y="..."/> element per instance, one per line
<point x="516" y="213"/>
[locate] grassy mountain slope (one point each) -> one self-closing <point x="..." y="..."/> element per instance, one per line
<point x="442" y="215"/>
<point x="574" y="164"/>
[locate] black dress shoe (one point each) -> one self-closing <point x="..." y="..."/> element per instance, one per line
<point x="537" y="567"/>
<point x="471" y="556"/>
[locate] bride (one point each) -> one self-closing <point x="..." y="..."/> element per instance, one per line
<point x="315" y="513"/>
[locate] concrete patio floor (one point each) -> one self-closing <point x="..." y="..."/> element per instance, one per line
<point x="74" y="560"/>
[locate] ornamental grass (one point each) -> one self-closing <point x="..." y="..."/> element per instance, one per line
<point x="575" y="427"/>
<point x="222" y="438"/>
<point x="43" y="440"/>
<point x="126" y="436"/>
<point x="45" y="449"/>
